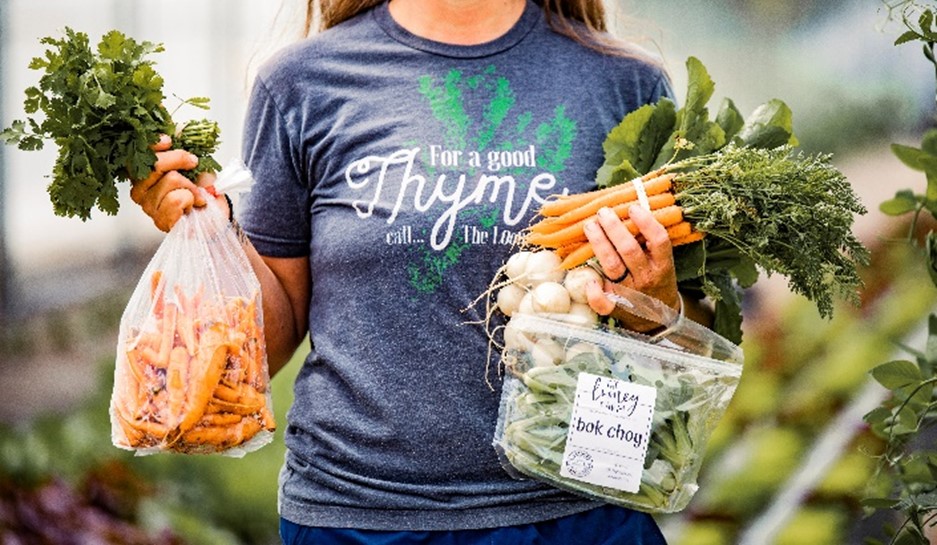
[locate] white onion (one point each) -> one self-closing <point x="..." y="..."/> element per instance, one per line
<point x="576" y="281"/>
<point x="509" y="298"/>
<point x="516" y="265"/>
<point x="544" y="266"/>
<point x="550" y="297"/>
<point x="583" y="313"/>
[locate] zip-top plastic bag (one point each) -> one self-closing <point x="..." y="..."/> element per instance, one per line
<point x="191" y="373"/>
<point x="610" y="413"/>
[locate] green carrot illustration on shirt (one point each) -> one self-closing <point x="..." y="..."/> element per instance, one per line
<point x="491" y="144"/>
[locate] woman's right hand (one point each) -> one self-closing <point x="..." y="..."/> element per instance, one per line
<point x="165" y="195"/>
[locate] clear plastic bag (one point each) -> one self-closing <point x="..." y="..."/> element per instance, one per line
<point x="613" y="414"/>
<point x="191" y="371"/>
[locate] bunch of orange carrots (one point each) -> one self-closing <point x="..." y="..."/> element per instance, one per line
<point x="561" y="227"/>
<point x="194" y="379"/>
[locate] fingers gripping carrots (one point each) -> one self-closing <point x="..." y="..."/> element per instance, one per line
<point x="561" y="227"/>
<point x="192" y="379"/>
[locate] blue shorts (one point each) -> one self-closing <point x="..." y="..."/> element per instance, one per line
<point x="606" y="525"/>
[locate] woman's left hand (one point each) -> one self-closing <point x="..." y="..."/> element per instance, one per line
<point x="648" y="268"/>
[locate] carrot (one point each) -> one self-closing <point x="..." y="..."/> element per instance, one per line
<point x="692" y="237"/>
<point x="567" y="249"/>
<point x="667" y="216"/>
<point x="245" y="409"/>
<point x="266" y="418"/>
<point x="679" y="230"/>
<point x="582" y="205"/>
<point x="223" y="436"/>
<point x="156" y="292"/>
<point x="578" y="256"/>
<point x="210" y="366"/>
<point x="176" y="378"/>
<point x="167" y="330"/>
<point x="553" y="224"/>
<point x="679" y="233"/>
<point x="226" y="393"/>
<point x="560" y="204"/>
<point x="253" y="356"/>
<point x="219" y="419"/>
<point x="195" y="381"/>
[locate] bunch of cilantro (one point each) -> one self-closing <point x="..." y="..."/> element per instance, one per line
<point x="103" y="109"/>
<point x="763" y="206"/>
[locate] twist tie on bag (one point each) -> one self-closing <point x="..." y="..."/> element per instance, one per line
<point x="638" y="184"/>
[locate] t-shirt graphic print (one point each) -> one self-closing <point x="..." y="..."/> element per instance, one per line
<point x="476" y="182"/>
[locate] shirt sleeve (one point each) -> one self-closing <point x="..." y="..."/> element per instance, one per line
<point x="275" y="214"/>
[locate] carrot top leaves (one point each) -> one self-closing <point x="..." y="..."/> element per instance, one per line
<point x="787" y="212"/>
<point x="103" y="108"/>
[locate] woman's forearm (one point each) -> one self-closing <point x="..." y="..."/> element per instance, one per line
<point x="285" y="294"/>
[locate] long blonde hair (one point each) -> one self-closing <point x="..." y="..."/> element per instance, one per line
<point x="581" y="20"/>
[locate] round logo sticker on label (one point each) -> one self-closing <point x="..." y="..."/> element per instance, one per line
<point x="579" y="463"/>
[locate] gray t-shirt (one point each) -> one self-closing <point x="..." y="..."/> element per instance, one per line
<point x="404" y="169"/>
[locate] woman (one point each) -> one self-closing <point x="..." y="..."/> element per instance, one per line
<point x="397" y="154"/>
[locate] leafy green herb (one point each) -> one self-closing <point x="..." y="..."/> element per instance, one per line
<point x="762" y="205"/>
<point x="103" y="109"/>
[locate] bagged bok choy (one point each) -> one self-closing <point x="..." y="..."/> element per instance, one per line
<point x="608" y="413"/>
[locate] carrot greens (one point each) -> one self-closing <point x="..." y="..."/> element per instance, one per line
<point x="752" y="201"/>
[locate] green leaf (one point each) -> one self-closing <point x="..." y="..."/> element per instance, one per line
<point x="771" y="125"/>
<point x="930" y="195"/>
<point x="925" y="21"/>
<point x="727" y="319"/>
<point x="877" y="419"/>
<point x="699" y="90"/>
<point x="907" y="36"/>
<point x="639" y="137"/>
<point x="730" y="119"/>
<point x="929" y="142"/>
<point x="33" y="100"/>
<point x="112" y="45"/>
<point x="609" y="175"/>
<point x="930" y="348"/>
<point x="104" y="100"/>
<point x="931" y="248"/>
<point x="880" y="503"/>
<point x="30" y="143"/>
<point x="199" y="102"/>
<point x="904" y="201"/>
<point x="897" y="374"/>
<point x="746" y="272"/>
<point x="911" y="157"/>
<point x="907" y="421"/>
<point x="621" y="140"/>
<point x="38" y="63"/>
<point x="14" y="133"/>
<point x="690" y="260"/>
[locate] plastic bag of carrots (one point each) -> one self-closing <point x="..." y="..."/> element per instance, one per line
<point x="191" y="372"/>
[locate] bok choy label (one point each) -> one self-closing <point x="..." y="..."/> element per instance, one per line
<point x="608" y="432"/>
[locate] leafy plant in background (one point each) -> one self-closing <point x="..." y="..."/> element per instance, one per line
<point x="907" y="414"/>
<point x="62" y="481"/>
